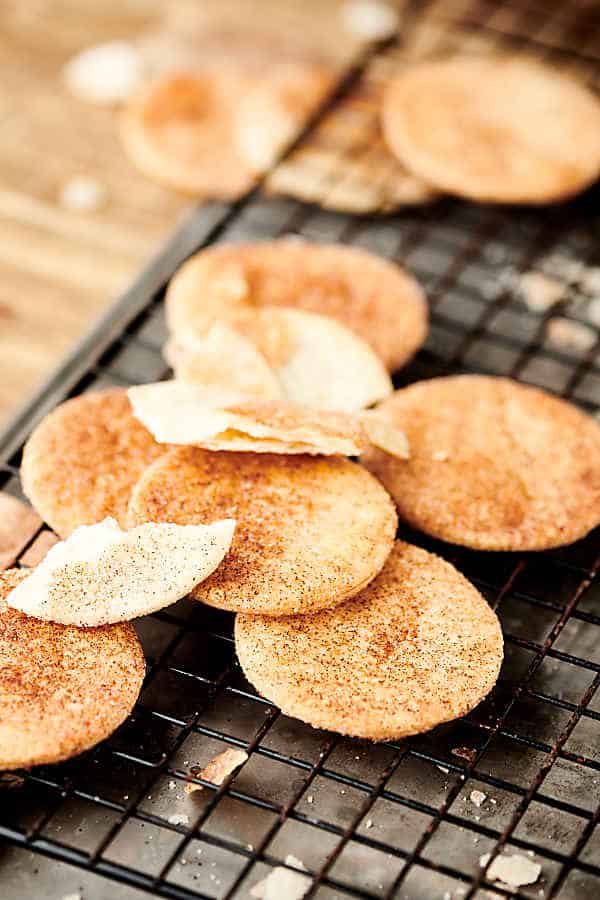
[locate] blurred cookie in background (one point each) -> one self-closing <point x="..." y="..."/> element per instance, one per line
<point x="233" y="85"/>
<point x="178" y="131"/>
<point x="494" y="129"/>
<point x="345" y="164"/>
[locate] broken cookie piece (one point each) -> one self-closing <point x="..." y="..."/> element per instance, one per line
<point x="222" y="358"/>
<point x="275" y="351"/>
<point x="179" y="413"/>
<point x="218" y="769"/>
<point x="102" y="574"/>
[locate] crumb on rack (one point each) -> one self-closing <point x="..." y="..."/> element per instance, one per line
<point x="477" y="797"/>
<point x="10" y="781"/>
<point x="540" y="292"/>
<point x="283" y="883"/>
<point x="466" y="753"/>
<point x="569" y="335"/>
<point x="218" y="769"/>
<point x="514" y="871"/>
<point x="179" y="819"/>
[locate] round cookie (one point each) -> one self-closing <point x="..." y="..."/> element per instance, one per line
<point x="179" y="131"/>
<point x="418" y="647"/>
<point x="372" y="297"/>
<point x="504" y="130"/>
<point x="494" y="464"/>
<point x="310" y="531"/>
<point x="62" y="689"/>
<point x="81" y="462"/>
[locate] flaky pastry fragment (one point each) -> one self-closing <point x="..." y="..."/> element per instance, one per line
<point x="384" y="435"/>
<point x="179" y="413"/>
<point x="222" y="358"/>
<point x="313" y="359"/>
<point x="101" y="574"/>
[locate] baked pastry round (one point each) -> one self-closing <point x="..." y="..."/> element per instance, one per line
<point x="310" y="531"/>
<point x="81" y="462"/>
<point x="419" y="646"/>
<point x="504" y="130"/>
<point x="179" y="131"/>
<point x="372" y="297"/>
<point x="62" y="689"/>
<point x="494" y="464"/>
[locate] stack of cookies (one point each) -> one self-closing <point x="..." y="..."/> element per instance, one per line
<point x="265" y="479"/>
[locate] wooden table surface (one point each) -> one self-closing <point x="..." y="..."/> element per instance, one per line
<point x="59" y="268"/>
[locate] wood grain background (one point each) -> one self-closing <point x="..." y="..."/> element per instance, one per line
<point x="59" y="268"/>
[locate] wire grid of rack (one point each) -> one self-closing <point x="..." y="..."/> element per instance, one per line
<point x="390" y="820"/>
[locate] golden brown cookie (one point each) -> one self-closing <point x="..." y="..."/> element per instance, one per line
<point x="179" y="131"/>
<point x="372" y="297"/>
<point x="505" y="130"/>
<point x="493" y="464"/>
<point x="418" y="647"/>
<point x="310" y="531"/>
<point x="82" y="460"/>
<point x="62" y="689"/>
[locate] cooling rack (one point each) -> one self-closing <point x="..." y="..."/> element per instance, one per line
<point x="396" y="819"/>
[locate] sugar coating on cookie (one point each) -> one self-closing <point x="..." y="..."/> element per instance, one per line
<point x="418" y="647"/>
<point x="526" y="134"/>
<point x="62" y="689"/>
<point x="372" y="297"/>
<point x="81" y="462"/>
<point x="310" y="531"/>
<point x="179" y="131"/>
<point x="494" y="464"/>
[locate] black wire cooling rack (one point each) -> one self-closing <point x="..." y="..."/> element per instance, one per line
<point x="390" y="820"/>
